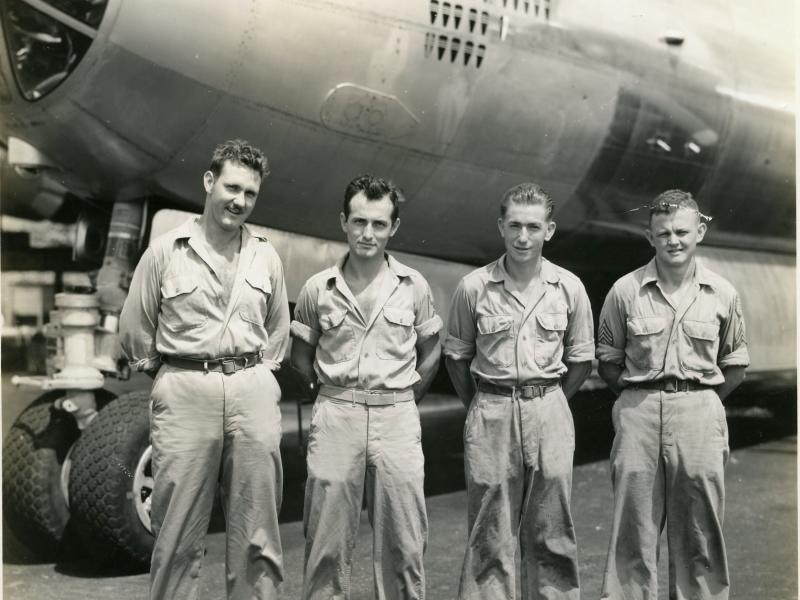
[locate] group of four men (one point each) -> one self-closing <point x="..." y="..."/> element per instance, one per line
<point x="207" y="316"/>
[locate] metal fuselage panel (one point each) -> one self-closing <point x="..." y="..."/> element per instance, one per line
<point x="585" y="97"/>
<point x="585" y="100"/>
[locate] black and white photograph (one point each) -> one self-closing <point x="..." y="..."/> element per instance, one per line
<point x="398" y="299"/>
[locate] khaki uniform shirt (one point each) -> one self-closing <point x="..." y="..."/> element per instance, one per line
<point x="372" y="352"/>
<point x="642" y="332"/>
<point x="174" y="305"/>
<point x="510" y="343"/>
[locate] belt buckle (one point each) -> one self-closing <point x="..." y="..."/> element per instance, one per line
<point x="228" y="365"/>
<point x="529" y="392"/>
<point x="671" y="385"/>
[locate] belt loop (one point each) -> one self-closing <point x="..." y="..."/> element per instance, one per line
<point x="513" y="392"/>
<point x="205" y="366"/>
<point x="353" y="398"/>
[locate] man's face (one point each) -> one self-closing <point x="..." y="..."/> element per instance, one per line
<point x="524" y="229"/>
<point x="231" y="196"/>
<point x="369" y="225"/>
<point x="675" y="236"/>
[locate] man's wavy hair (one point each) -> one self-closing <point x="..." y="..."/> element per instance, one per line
<point x="374" y="188"/>
<point x="672" y="200"/>
<point x="530" y="194"/>
<point x="239" y="152"/>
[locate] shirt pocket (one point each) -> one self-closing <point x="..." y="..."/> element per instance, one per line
<point x="550" y="328"/>
<point x="337" y="341"/>
<point x="646" y="343"/>
<point x="182" y="304"/>
<point x="254" y="303"/>
<point x="700" y="345"/>
<point x="396" y="335"/>
<point x="495" y="341"/>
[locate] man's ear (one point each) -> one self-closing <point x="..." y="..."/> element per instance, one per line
<point x="395" y="227"/>
<point x="649" y="235"/>
<point x="701" y="231"/>
<point x="551" y="229"/>
<point x="343" y="221"/>
<point x="208" y="181"/>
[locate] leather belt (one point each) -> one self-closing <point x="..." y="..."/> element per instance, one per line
<point x="671" y="384"/>
<point x="527" y="391"/>
<point x="223" y="364"/>
<point x="366" y="397"/>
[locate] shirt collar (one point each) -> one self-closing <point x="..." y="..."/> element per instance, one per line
<point x="395" y="267"/>
<point x="188" y="229"/>
<point x="702" y="276"/>
<point x="191" y="228"/>
<point x="650" y="273"/>
<point x="498" y="273"/>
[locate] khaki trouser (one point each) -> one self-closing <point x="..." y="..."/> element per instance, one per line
<point x="353" y="447"/>
<point x="203" y="426"/>
<point x="667" y="466"/>
<point x="518" y="463"/>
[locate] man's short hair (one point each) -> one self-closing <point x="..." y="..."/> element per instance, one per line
<point x="670" y="201"/>
<point x="374" y="188"/>
<point x="529" y="194"/>
<point x="239" y="152"/>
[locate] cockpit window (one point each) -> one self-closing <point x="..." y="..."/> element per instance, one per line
<point x="46" y="40"/>
<point x="86" y="11"/>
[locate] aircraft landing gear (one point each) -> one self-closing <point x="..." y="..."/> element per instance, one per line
<point x="77" y="458"/>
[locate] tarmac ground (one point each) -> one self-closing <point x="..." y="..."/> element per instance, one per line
<point x="760" y="521"/>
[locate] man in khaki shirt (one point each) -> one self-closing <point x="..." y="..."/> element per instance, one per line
<point x="522" y="327"/>
<point x="366" y="329"/>
<point x="672" y="346"/>
<point x="207" y="316"/>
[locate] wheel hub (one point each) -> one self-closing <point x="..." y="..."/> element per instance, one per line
<point x="143" y="487"/>
<point x="66" y="467"/>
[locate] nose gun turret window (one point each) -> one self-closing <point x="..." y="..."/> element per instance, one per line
<point x="46" y="43"/>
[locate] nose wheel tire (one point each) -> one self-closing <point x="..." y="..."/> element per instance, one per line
<point x="36" y="464"/>
<point x="34" y="453"/>
<point x="111" y="481"/>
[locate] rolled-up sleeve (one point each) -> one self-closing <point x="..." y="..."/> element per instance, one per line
<point x="611" y="330"/>
<point x="579" y="337"/>
<point x="139" y="318"/>
<point x="305" y="325"/>
<point x="426" y="323"/>
<point x="461" y="331"/>
<point x="733" y="339"/>
<point x="277" y="321"/>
